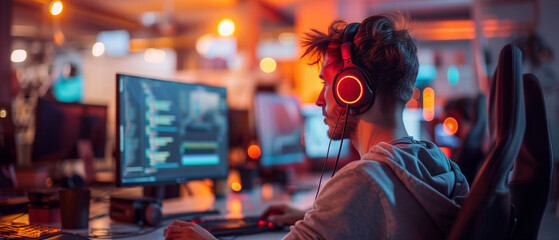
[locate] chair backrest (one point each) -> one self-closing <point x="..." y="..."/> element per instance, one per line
<point x="485" y="213"/>
<point x="470" y="155"/>
<point x="531" y="177"/>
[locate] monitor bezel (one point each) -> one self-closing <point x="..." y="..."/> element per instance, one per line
<point x="118" y="179"/>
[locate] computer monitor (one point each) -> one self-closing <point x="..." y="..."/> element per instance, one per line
<point x="60" y="125"/>
<point x="169" y="132"/>
<point x="279" y="128"/>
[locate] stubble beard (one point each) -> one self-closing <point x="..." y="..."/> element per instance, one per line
<point x="350" y="127"/>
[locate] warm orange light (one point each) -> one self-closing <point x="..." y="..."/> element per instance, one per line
<point x="236" y="186"/>
<point x="360" y="90"/>
<point x="59" y="38"/>
<point x="56" y="7"/>
<point x="236" y="208"/>
<point x="445" y="30"/>
<point x="254" y="151"/>
<point x="226" y="28"/>
<point x="268" y="65"/>
<point x="428" y="104"/>
<point x="267" y="191"/>
<point x="450" y="126"/>
<point x="412" y="104"/>
<point x="446" y="151"/>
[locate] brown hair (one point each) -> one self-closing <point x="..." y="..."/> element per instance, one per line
<point x="382" y="46"/>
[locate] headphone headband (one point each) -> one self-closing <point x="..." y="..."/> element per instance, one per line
<point x="350" y="32"/>
<point x="351" y="84"/>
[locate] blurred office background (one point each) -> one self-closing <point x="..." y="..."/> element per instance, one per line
<point x="70" y="51"/>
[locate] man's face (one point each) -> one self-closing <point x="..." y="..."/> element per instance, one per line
<point x="330" y="108"/>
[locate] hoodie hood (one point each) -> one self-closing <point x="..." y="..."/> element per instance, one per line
<point x="438" y="185"/>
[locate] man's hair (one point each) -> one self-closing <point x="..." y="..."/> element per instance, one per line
<point x="382" y="46"/>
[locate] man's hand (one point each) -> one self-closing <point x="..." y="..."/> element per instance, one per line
<point x="186" y="230"/>
<point x="283" y="214"/>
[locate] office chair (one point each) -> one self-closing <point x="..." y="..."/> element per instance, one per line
<point x="470" y="155"/>
<point x="531" y="177"/>
<point x="486" y="212"/>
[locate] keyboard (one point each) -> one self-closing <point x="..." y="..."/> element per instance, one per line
<point x="25" y="231"/>
<point x="221" y="226"/>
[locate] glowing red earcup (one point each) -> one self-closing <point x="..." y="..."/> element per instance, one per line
<point x="349" y="89"/>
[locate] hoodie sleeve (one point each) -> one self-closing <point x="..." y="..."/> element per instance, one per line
<point x="343" y="209"/>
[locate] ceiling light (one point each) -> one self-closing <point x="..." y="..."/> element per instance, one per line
<point x="226" y="27"/>
<point x="19" y="55"/>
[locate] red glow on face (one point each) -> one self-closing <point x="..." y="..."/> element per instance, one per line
<point x="338" y="90"/>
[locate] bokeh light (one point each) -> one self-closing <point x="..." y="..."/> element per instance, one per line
<point x="98" y="49"/>
<point x="267" y="191"/>
<point x="18" y="55"/>
<point x="453" y="75"/>
<point x="450" y="126"/>
<point x="3" y="113"/>
<point x="412" y="104"/>
<point x="203" y="44"/>
<point x="153" y="55"/>
<point x="226" y="28"/>
<point x="254" y="151"/>
<point x="268" y="65"/>
<point x="56" y="8"/>
<point x="236" y="186"/>
<point x="447" y="151"/>
<point x="428" y="104"/>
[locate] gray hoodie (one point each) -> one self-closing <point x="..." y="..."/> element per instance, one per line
<point x="405" y="189"/>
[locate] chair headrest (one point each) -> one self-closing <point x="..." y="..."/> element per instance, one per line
<point x="507" y="92"/>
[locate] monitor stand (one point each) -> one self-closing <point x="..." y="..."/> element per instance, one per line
<point x="162" y="192"/>
<point x="150" y="206"/>
<point x="173" y="191"/>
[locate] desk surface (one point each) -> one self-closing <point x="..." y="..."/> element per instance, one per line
<point x="246" y="203"/>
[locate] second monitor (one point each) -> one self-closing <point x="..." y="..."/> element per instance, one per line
<point x="279" y="128"/>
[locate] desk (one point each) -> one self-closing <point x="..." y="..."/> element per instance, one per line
<point x="240" y="204"/>
<point x="247" y="203"/>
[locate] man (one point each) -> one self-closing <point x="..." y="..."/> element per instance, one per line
<point x="401" y="188"/>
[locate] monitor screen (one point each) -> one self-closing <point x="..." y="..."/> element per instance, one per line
<point x="169" y="132"/>
<point x="316" y="136"/>
<point x="60" y="125"/>
<point x="279" y="128"/>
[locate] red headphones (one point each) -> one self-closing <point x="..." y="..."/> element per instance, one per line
<point x="351" y="85"/>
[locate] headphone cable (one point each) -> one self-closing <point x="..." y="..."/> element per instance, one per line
<point x="342" y="141"/>
<point x="326" y="159"/>
<point x="328" y="151"/>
